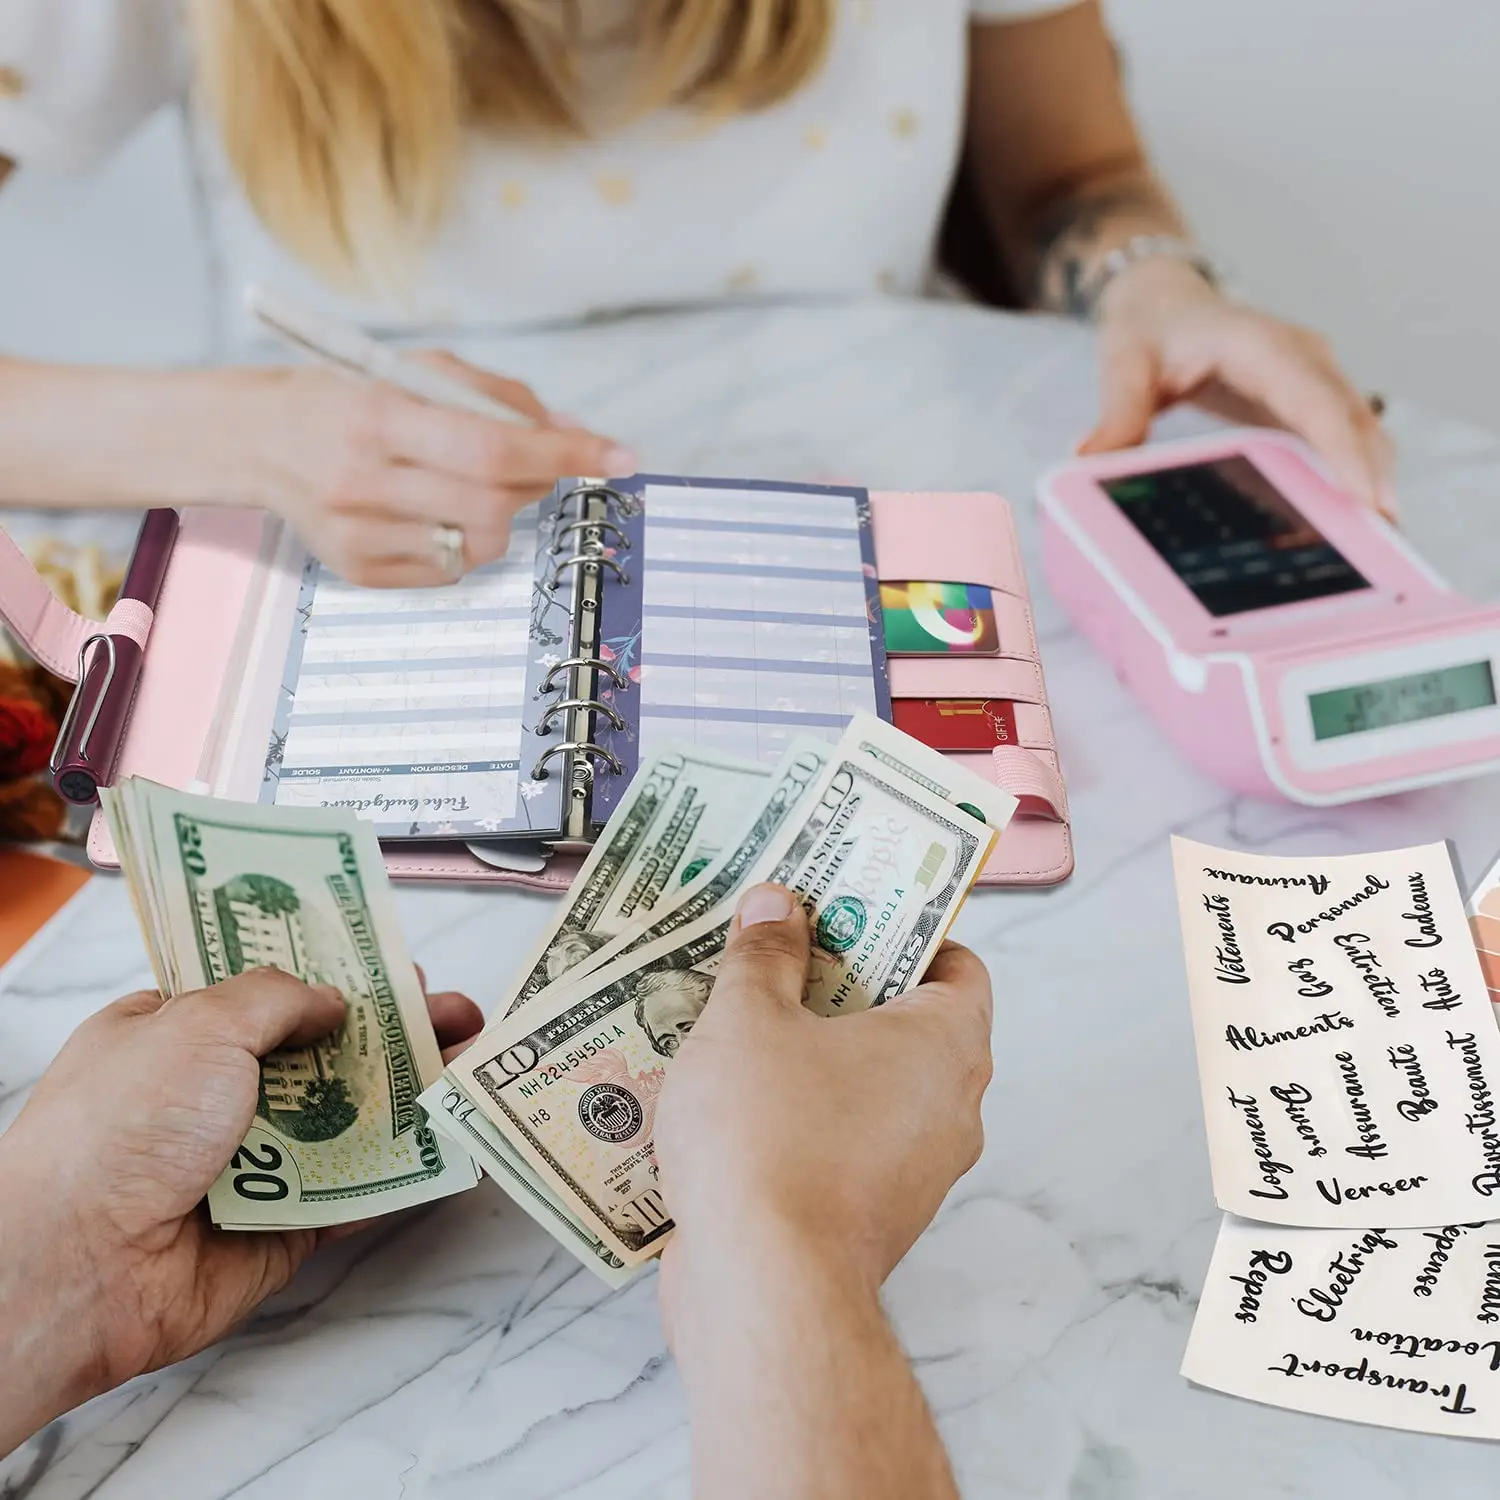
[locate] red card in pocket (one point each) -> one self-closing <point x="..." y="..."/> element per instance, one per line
<point x="957" y="723"/>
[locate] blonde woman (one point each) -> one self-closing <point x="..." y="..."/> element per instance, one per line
<point x="418" y="164"/>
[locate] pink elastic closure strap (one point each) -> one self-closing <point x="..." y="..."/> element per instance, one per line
<point x="42" y="623"/>
<point x="1028" y="777"/>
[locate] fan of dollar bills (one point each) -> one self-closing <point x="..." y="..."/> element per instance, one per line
<point x="880" y="836"/>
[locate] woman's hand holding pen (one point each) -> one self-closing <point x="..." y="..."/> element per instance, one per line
<point x="371" y="477"/>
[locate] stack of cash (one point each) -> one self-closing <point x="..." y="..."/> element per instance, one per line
<point x="222" y="887"/>
<point x="881" y="839"/>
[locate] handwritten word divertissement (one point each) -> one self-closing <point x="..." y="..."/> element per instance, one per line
<point x="1481" y="1121"/>
<point x="1229" y="958"/>
<point x="1271" y="1171"/>
<point x="1323" y="1302"/>
<point x="1317" y="884"/>
<point x="1248" y="1039"/>
<point x="1381" y="986"/>
<point x="1421" y="913"/>
<point x="1288" y="931"/>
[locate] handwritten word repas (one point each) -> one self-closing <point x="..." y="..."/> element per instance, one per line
<point x="1264" y="1264"/>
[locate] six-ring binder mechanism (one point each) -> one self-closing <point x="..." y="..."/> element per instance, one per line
<point x="600" y="544"/>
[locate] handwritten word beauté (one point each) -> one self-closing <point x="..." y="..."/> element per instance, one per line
<point x="1288" y="933"/>
<point x="1404" y="1060"/>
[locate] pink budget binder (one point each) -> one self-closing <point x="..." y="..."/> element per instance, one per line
<point x="202" y="709"/>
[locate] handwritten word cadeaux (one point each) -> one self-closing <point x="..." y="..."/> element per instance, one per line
<point x="1394" y="1327"/>
<point x="1349" y="1063"/>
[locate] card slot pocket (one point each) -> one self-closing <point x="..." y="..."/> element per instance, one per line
<point x="943" y="538"/>
<point x="967" y="677"/>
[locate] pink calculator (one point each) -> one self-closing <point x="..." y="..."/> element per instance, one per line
<point x="1287" y="640"/>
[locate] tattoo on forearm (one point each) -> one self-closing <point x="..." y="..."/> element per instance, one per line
<point x="1066" y="242"/>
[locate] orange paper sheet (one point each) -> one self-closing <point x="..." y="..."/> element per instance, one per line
<point x="33" y="889"/>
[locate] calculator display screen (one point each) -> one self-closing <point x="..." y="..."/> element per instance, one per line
<point x="1402" y="700"/>
<point x="1232" y="537"/>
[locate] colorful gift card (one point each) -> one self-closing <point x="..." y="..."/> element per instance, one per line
<point x="957" y="723"/>
<point x="939" y="619"/>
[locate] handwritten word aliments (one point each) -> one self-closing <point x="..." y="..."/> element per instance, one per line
<point x="1288" y="932"/>
<point x="1229" y="958"/>
<point x="1250" y="1038"/>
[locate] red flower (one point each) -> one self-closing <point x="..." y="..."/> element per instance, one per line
<point x="26" y="736"/>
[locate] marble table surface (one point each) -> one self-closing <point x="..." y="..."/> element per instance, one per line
<point x="459" y="1354"/>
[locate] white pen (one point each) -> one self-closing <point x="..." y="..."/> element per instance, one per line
<point x="347" y="348"/>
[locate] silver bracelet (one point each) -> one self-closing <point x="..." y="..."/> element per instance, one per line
<point x="1148" y="247"/>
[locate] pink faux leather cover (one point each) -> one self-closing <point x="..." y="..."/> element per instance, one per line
<point x="949" y="537"/>
<point x="971" y="538"/>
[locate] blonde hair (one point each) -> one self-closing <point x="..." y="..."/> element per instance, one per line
<point x="344" y="119"/>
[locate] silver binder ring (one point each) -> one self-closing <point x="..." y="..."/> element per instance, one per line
<point x="593" y="705"/>
<point x="587" y="560"/>
<point x="539" y="771"/>
<point x="598" y="663"/>
<point x="621" y="540"/>
<point x="626" y="505"/>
